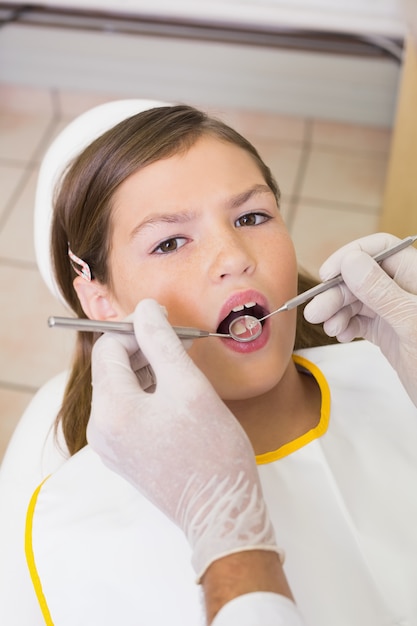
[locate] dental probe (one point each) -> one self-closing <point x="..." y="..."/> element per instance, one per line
<point x="88" y="325"/>
<point x="332" y="282"/>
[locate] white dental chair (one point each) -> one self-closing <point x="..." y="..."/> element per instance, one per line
<point x="34" y="452"/>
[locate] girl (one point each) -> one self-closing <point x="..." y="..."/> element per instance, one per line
<point x="175" y="206"/>
<point x="86" y="218"/>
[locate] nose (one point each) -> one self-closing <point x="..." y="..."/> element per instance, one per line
<point x="230" y="256"/>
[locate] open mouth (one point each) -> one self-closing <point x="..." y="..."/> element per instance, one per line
<point x="250" y="308"/>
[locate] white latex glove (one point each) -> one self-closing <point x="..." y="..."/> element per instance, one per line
<point x="374" y="303"/>
<point x="180" y="445"/>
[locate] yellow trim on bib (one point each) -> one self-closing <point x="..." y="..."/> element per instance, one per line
<point x="314" y="433"/>
<point x="30" y="557"/>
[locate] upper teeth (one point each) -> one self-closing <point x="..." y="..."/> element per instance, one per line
<point x="240" y="307"/>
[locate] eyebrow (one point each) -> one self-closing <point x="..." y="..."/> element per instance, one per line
<point x="167" y="218"/>
<point x="236" y="201"/>
<point x="182" y="217"/>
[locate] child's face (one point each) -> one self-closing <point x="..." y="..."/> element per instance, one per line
<point x="201" y="233"/>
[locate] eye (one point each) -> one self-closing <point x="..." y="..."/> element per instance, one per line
<point x="252" y="219"/>
<point x="169" y="245"/>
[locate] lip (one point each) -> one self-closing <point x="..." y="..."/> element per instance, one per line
<point x="239" y="298"/>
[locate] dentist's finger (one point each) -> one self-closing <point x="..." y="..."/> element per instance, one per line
<point x="326" y="304"/>
<point x="160" y="344"/>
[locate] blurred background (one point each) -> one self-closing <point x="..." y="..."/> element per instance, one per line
<point x="319" y="86"/>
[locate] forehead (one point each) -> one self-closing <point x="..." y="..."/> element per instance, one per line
<point x="210" y="164"/>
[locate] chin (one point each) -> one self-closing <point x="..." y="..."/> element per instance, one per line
<point x="245" y="376"/>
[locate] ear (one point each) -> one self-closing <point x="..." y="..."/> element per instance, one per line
<point x="95" y="299"/>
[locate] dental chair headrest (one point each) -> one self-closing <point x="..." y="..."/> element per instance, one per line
<point x="67" y="145"/>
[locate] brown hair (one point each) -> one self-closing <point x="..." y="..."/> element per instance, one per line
<point x="82" y="210"/>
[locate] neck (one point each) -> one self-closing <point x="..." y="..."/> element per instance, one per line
<point x="284" y="413"/>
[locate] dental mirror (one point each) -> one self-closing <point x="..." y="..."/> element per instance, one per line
<point x="245" y="328"/>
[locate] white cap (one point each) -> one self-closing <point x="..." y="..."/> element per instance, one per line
<point x="68" y="144"/>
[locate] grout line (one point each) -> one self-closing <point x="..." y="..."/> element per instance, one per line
<point x="352" y="152"/>
<point x="296" y="196"/>
<point x="18" y="263"/>
<point x="377" y="153"/>
<point x="18" y="164"/>
<point x="18" y="387"/>
<point x="31" y="165"/>
<point x="18" y="190"/>
<point x="336" y="205"/>
<point x="301" y="170"/>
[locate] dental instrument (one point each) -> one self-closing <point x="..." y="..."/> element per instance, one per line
<point x="251" y="326"/>
<point x="246" y="327"/>
<point x="87" y="325"/>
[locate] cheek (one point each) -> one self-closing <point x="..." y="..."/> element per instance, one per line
<point x="130" y="287"/>
<point x="280" y="264"/>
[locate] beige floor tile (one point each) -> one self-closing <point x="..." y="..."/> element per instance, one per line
<point x="350" y="136"/>
<point x="9" y="179"/>
<point x="58" y="128"/>
<point x="13" y="404"/>
<point x="53" y="131"/>
<point x="262" y="125"/>
<point x="21" y="134"/>
<point x="318" y="231"/>
<point x="253" y="124"/>
<point x="30" y="351"/>
<point x="16" y="236"/>
<point x="25" y="99"/>
<point x="345" y="178"/>
<point x="284" y="160"/>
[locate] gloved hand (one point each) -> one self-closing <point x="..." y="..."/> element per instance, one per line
<point x="179" y="445"/>
<point x="374" y="303"/>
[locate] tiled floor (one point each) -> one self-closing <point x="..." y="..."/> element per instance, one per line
<point x="331" y="176"/>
